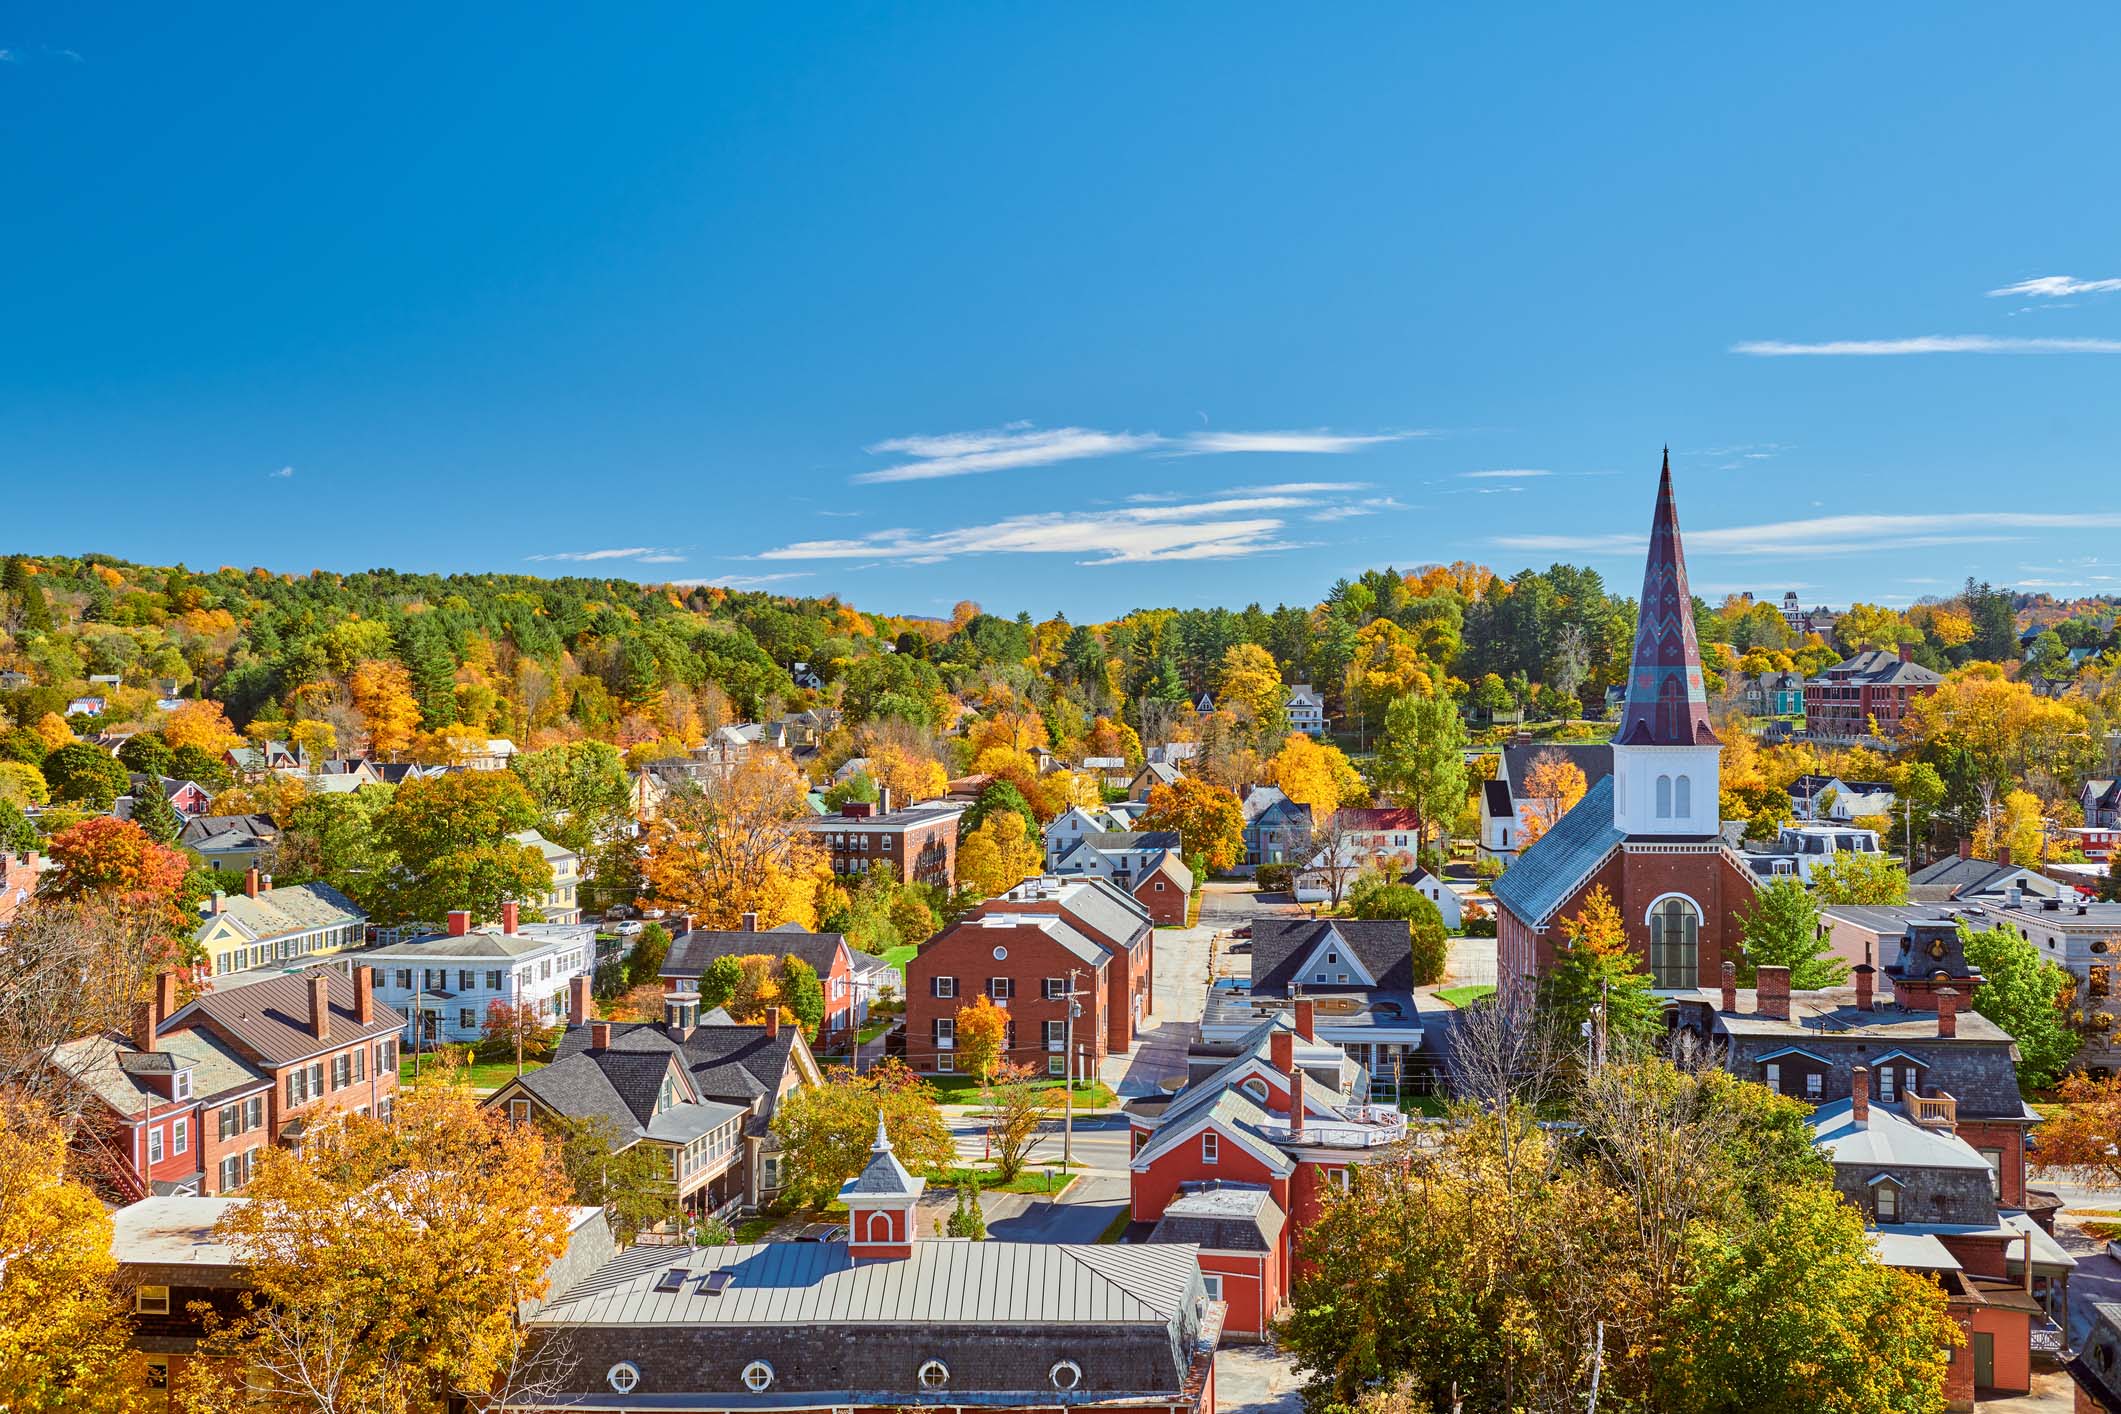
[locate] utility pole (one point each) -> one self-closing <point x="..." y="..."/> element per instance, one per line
<point x="1068" y="1069"/>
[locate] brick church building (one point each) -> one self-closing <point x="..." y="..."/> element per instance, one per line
<point x="1648" y="833"/>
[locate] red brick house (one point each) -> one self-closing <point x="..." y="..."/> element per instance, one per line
<point x="1842" y="702"/>
<point x="1024" y="959"/>
<point x="1236" y="1162"/>
<point x="320" y="1037"/>
<point x="1164" y="889"/>
<point x="1103" y="912"/>
<point x="693" y="951"/>
<point x="1650" y="833"/>
<point x="182" y="1103"/>
<point x="918" y="842"/>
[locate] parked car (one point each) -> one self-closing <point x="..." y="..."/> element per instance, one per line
<point x="630" y="927"/>
<point x="821" y="1232"/>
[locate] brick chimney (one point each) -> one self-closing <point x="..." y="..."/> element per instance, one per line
<point x="250" y="881"/>
<point x="600" y="1035"/>
<point x="1730" y="986"/>
<point x="2003" y="855"/>
<point x="1947" y="1011"/>
<point x="459" y="922"/>
<point x="165" y="994"/>
<point x="683" y="925"/>
<point x="1966" y="849"/>
<point x="145" y="1019"/>
<point x="220" y="902"/>
<point x="1907" y="653"/>
<point x="773" y="1023"/>
<point x="1860" y="1096"/>
<point x="320" y="1005"/>
<point x="577" y="999"/>
<point x="1281" y="1050"/>
<point x="1864" y="972"/>
<point x="1771" y="995"/>
<point x="1307" y="1018"/>
<point x="510" y="912"/>
<point x="364" y="995"/>
<point x="751" y="922"/>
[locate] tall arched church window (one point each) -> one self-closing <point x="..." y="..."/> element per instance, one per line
<point x="1664" y="797"/>
<point x="1683" y="797"/>
<point x="1675" y="941"/>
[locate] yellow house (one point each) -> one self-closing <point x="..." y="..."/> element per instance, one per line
<point x="265" y="927"/>
<point x="560" y="905"/>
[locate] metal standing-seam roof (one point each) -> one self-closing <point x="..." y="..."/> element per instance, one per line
<point x="810" y="1283"/>
<point x="1549" y="872"/>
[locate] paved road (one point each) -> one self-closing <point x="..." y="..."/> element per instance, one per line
<point x="1182" y="961"/>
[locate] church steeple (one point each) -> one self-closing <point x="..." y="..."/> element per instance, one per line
<point x="1667" y="700"/>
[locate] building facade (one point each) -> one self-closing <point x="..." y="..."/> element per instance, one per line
<point x="446" y="982"/>
<point x="919" y="842"/>
<point x="1649" y="834"/>
<point x="1875" y="687"/>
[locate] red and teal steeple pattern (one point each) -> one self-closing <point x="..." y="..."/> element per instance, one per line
<point x="1668" y="703"/>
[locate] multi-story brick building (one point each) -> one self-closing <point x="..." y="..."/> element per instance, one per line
<point x="321" y="1039"/>
<point x="1026" y="959"/>
<point x="1841" y="704"/>
<point x="1102" y="912"/>
<point x="182" y="1102"/>
<point x="918" y="842"/>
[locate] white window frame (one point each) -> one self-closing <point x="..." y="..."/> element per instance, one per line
<point x="154" y="1144"/>
<point x="151" y="1300"/>
<point x="1212" y="1283"/>
<point x="1211" y="1146"/>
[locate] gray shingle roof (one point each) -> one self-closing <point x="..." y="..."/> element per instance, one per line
<point x="293" y="908"/>
<point x="1542" y="878"/>
<point x="691" y="953"/>
<point x="734" y="1063"/>
<point x="1280" y="945"/>
<point x="1594" y="759"/>
<point x="1230" y="1217"/>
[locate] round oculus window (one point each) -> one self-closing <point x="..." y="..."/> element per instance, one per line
<point x="934" y="1375"/>
<point x="1065" y="1374"/>
<point x="1001" y="954"/>
<point x="623" y="1376"/>
<point x="758" y="1376"/>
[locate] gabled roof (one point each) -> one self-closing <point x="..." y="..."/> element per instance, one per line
<point x="1889" y="1140"/>
<point x="1550" y="871"/>
<point x="725" y="1062"/>
<point x="272" y="1018"/>
<point x="1593" y="758"/>
<point x="292" y="908"/>
<point x="691" y="953"/>
<point x="1280" y="946"/>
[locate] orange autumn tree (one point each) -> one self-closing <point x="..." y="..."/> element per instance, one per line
<point x="114" y="861"/>
<point x="1208" y="818"/>
<point x="1597" y="972"/>
<point x="1552" y="787"/>
<point x="382" y="694"/>
<point x="2081" y="1139"/>
<point x="739" y="843"/>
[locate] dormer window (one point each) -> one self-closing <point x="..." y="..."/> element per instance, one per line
<point x="1885" y="1202"/>
<point x="180" y="1085"/>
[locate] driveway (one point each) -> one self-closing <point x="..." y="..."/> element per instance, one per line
<point x="1182" y="961"/>
<point x="1256" y="1379"/>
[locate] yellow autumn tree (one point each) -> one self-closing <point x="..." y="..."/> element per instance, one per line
<point x="739" y="843"/>
<point x="202" y="724"/>
<point x="63" y="1324"/>
<point x="382" y="693"/>
<point x="1248" y="681"/>
<point x="910" y="776"/>
<point x="2017" y="824"/>
<point x="1316" y="774"/>
<point x="1552" y="787"/>
<point x="388" y="1260"/>
<point x="52" y="730"/>
<point x="982" y="1035"/>
<point x="999" y="855"/>
<point x="1388" y="664"/>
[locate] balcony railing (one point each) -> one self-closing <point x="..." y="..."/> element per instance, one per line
<point x="1377" y="1126"/>
<point x="1936" y="1111"/>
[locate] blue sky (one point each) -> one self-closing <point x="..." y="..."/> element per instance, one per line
<point x="1071" y="308"/>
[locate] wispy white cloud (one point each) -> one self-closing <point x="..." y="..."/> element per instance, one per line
<point x="1297" y="488"/>
<point x="1144" y="535"/>
<point x="1925" y="344"/>
<point x="1840" y="534"/>
<point x="1505" y="474"/>
<point x="1318" y="443"/>
<point x="282" y="474"/>
<point x="2056" y="287"/>
<point x="1367" y="507"/>
<point x="647" y="554"/>
<point x="1019" y="445"/>
<point x="842" y="515"/>
<point x="741" y="581"/>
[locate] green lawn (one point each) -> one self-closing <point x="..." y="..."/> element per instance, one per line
<point x="965" y="1090"/>
<point x="899" y="956"/>
<point x="480" y="1075"/>
<point x="1029" y="1179"/>
<point x="1468" y="994"/>
<point x="1117" y="1226"/>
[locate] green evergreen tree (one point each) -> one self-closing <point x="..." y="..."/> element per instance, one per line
<point x="1782" y="929"/>
<point x="803" y="994"/>
<point x="153" y="813"/>
<point x="2022" y="992"/>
